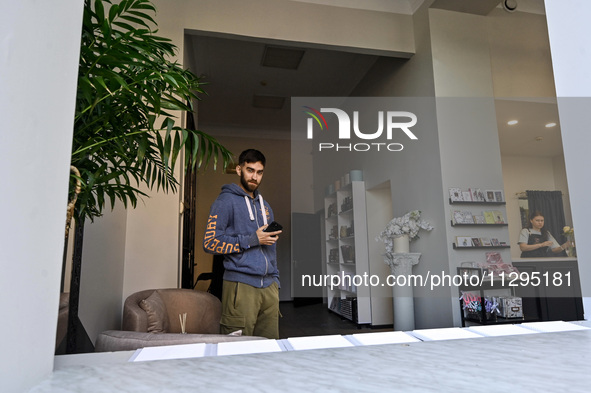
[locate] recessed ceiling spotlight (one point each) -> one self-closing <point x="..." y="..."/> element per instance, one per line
<point x="510" y="5"/>
<point x="550" y="125"/>
<point x="512" y="122"/>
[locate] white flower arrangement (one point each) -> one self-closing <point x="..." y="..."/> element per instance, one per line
<point x="410" y="224"/>
<point x="568" y="231"/>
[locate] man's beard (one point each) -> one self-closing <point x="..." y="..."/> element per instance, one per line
<point x="246" y="185"/>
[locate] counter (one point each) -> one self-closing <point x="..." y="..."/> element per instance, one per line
<point x="557" y="293"/>
<point x="554" y="259"/>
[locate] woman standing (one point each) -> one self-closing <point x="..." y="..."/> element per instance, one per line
<point x="535" y="241"/>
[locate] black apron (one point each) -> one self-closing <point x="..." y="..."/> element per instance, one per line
<point x="538" y="252"/>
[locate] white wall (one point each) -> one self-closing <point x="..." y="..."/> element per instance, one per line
<point x="393" y="77"/>
<point x="322" y="25"/>
<point x="37" y="107"/>
<point x="569" y="41"/>
<point x="302" y="200"/>
<point x="469" y="143"/>
<point x="101" y="278"/>
<point x="414" y="174"/>
<point x="152" y="242"/>
<point x="520" y="54"/>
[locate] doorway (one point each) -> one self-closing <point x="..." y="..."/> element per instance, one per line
<point x="249" y="83"/>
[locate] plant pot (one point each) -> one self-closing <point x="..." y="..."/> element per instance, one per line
<point x="402" y="244"/>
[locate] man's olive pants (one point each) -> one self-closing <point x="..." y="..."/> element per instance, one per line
<point x="255" y="311"/>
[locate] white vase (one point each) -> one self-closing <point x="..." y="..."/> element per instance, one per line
<point x="401" y="244"/>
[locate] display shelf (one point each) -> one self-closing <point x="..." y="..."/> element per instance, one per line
<point x="478" y="225"/>
<point x="481" y="317"/>
<point x="499" y="320"/>
<point x="555" y="300"/>
<point x="479" y="247"/>
<point x="344" y="307"/>
<point x="347" y="216"/>
<point x="476" y="203"/>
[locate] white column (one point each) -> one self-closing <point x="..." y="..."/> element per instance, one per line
<point x="403" y="297"/>
<point x="39" y="50"/>
<point x="570" y="31"/>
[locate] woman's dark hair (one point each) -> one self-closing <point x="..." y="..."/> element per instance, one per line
<point x="251" y="155"/>
<point x="533" y="215"/>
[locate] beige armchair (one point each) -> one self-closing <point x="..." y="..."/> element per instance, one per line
<point x="141" y="312"/>
<point x="151" y="318"/>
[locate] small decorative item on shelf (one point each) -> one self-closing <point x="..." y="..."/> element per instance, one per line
<point x="455" y="194"/>
<point x="510" y="306"/>
<point x="410" y="224"/>
<point x="332" y="210"/>
<point x="491" y="307"/>
<point x="472" y="306"/>
<point x="348" y="253"/>
<point x="330" y="189"/>
<point x="333" y="256"/>
<point x="569" y="233"/>
<point x="347" y="204"/>
<point x="343" y="231"/>
<point x="356" y="175"/>
<point x="333" y="233"/>
<point x="496" y="266"/>
<point x="347" y="231"/>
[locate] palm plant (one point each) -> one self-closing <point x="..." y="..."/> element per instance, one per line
<point x="129" y="93"/>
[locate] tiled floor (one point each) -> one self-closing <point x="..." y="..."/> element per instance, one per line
<point x="316" y="320"/>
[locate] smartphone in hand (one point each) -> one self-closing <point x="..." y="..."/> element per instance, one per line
<point x="273" y="227"/>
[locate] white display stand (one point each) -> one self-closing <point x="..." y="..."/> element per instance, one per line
<point x="346" y="250"/>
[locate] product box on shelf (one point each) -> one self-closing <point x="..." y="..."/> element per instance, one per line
<point x="510" y="307"/>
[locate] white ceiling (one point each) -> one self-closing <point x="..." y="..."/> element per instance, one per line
<point x="407" y="7"/>
<point x="232" y="68"/>
<point x="529" y="137"/>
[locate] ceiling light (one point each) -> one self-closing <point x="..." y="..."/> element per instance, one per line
<point x="268" y="102"/>
<point x="512" y="122"/>
<point x="279" y="57"/>
<point x="510" y="5"/>
<point x="550" y="125"/>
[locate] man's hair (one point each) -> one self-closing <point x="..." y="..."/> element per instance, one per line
<point x="251" y="155"/>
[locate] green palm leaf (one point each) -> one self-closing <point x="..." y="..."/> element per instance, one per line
<point x="127" y="81"/>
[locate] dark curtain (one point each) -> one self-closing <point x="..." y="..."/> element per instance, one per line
<point x="549" y="203"/>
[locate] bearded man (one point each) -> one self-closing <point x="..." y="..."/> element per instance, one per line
<point x="236" y="229"/>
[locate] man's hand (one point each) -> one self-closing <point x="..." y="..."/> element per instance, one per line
<point x="267" y="238"/>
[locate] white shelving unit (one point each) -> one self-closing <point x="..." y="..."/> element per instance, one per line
<point x="346" y="253"/>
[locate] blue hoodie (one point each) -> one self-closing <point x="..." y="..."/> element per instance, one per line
<point x="231" y="230"/>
